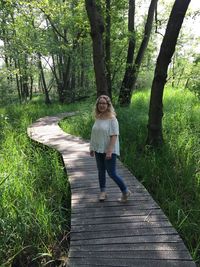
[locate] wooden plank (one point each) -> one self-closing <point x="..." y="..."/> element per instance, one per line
<point x="112" y="195"/>
<point x="111" y="186"/>
<point x="111" y="189"/>
<point x="109" y="206"/>
<point x="132" y="254"/>
<point x="159" y="246"/>
<point x="117" y="262"/>
<point x="77" y="204"/>
<point x="116" y="212"/>
<point x="92" y="183"/>
<point x="117" y="226"/>
<point x="129" y="239"/>
<point x="92" y="174"/>
<point x="137" y="218"/>
<point x="135" y="234"/>
<point x="122" y="233"/>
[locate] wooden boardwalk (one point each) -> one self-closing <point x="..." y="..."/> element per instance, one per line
<point x="135" y="234"/>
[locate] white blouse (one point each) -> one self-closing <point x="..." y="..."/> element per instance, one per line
<point x="100" y="136"/>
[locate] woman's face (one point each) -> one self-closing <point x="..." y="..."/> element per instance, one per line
<point x="102" y="105"/>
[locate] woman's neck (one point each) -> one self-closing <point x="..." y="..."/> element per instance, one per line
<point x="104" y="116"/>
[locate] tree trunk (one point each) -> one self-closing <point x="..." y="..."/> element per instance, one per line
<point x="180" y="77"/>
<point x="31" y="88"/>
<point x="131" y="73"/>
<point x="17" y="82"/>
<point x="155" y="136"/>
<point x="66" y="77"/>
<point x="173" y="70"/>
<point x="18" y="88"/>
<point x="124" y="94"/>
<point x="21" y="87"/>
<point x="107" y="48"/>
<point x="72" y="95"/>
<point x="82" y="74"/>
<point x="47" y="99"/>
<point x="97" y="29"/>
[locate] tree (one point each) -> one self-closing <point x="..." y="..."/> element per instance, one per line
<point x="61" y="48"/>
<point x="53" y="29"/>
<point x="17" y="46"/>
<point x="107" y="47"/>
<point x="97" y="30"/>
<point x="127" y="80"/>
<point x="47" y="99"/>
<point x="132" y="70"/>
<point x="192" y="82"/>
<point x="155" y="136"/>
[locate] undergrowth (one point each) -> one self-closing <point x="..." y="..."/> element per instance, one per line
<point x="171" y="173"/>
<point x="34" y="191"/>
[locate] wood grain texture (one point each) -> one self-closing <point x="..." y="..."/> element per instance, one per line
<point x="135" y="234"/>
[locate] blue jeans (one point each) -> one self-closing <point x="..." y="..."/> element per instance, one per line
<point x="108" y="165"/>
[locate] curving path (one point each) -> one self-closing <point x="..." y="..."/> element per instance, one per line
<point x="135" y="234"/>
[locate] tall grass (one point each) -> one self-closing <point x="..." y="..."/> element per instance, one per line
<point x="171" y="174"/>
<point x="34" y="192"/>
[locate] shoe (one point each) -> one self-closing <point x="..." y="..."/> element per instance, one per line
<point x="102" y="196"/>
<point x="124" y="197"/>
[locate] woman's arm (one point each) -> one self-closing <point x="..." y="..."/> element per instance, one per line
<point x="111" y="145"/>
<point x="91" y="153"/>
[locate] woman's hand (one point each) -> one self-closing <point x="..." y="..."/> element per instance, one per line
<point x="108" y="154"/>
<point x="113" y="139"/>
<point x="91" y="153"/>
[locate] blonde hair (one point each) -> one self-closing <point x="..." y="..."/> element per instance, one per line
<point x="110" y="110"/>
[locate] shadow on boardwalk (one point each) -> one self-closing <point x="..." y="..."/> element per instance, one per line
<point x="135" y="234"/>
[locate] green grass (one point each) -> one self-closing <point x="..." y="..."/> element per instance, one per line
<point x="35" y="204"/>
<point x="171" y="174"/>
<point x="34" y="191"/>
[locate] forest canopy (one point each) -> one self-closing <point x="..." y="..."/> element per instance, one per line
<point x="46" y="48"/>
<point x="58" y="56"/>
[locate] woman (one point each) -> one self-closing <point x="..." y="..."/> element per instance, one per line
<point x="104" y="145"/>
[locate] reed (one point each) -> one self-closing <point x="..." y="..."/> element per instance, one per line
<point x="171" y="173"/>
<point x="34" y="190"/>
